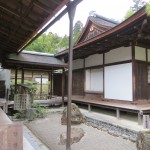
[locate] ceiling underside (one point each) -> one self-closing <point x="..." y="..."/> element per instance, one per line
<point x="20" y="20"/>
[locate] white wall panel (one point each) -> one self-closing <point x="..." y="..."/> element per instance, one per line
<point x="140" y="53"/>
<point x="88" y="80"/>
<point x="5" y="75"/>
<point x="78" y="63"/>
<point x="118" y="54"/>
<point x="94" y="80"/>
<point x="94" y="60"/>
<point x="118" y="82"/>
<point x="97" y="80"/>
<point x="148" y="55"/>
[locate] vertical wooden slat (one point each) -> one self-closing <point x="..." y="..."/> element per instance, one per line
<point x="147" y="94"/>
<point x="16" y="74"/>
<point x="41" y="87"/>
<point x="22" y="77"/>
<point x="103" y="75"/>
<point x="63" y="86"/>
<point x="141" y="81"/>
<point x="133" y="71"/>
<point x="51" y="90"/>
<point x="84" y="77"/>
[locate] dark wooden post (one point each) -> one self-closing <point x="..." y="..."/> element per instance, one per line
<point x="49" y="88"/>
<point x="22" y="80"/>
<point x="71" y="13"/>
<point x="22" y="77"/>
<point x="41" y="87"/>
<point x="133" y="71"/>
<point x="63" y="86"/>
<point x="51" y="85"/>
<point x="16" y="74"/>
<point x="84" y="77"/>
<point x="103" y="75"/>
<point x="32" y="75"/>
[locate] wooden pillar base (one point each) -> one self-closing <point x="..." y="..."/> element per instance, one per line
<point x="118" y="113"/>
<point x="140" y="117"/>
<point x="89" y="107"/>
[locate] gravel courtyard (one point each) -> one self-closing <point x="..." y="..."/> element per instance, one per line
<point x="49" y="129"/>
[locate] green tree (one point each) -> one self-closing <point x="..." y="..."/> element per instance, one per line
<point x="148" y="9"/>
<point x="137" y="5"/>
<point x="51" y="43"/>
<point x="129" y="13"/>
<point x="77" y="30"/>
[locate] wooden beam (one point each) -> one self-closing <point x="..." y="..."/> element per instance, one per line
<point x="56" y="2"/>
<point x="9" y="10"/>
<point x="42" y="6"/>
<point x="144" y="45"/>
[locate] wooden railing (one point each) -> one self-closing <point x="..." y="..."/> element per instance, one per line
<point x="11" y="134"/>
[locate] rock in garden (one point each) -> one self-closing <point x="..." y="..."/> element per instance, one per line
<point x="76" y="135"/>
<point x="76" y="115"/>
<point x="143" y="140"/>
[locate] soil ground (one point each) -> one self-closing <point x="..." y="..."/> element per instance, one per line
<point x="48" y="130"/>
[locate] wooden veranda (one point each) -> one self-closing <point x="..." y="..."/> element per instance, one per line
<point x="139" y="109"/>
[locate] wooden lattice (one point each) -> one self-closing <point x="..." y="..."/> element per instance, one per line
<point x="22" y="101"/>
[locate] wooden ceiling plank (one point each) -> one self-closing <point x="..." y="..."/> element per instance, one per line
<point x="9" y="10"/>
<point x="42" y="6"/>
<point x="56" y="2"/>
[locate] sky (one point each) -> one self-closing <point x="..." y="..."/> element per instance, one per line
<point x="113" y="9"/>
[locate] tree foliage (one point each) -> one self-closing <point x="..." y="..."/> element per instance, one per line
<point x="148" y="9"/>
<point x="137" y="5"/>
<point x="52" y="43"/>
<point x="77" y="30"/>
<point x="49" y="43"/>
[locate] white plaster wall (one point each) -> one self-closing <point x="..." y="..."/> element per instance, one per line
<point x="140" y="53"/>
<point x="88" y="80"/>
<point x="78" y="64"/>
<point x="118" y="54"/>
<point x="94" y="60"/>
<point x="118" y="82"/>
<point x="94" y="80"/>
<point x="148" y="55"/>
<point x="5" y="75"/>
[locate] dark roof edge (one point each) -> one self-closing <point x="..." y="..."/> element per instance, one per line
<point x="104" y="18"/>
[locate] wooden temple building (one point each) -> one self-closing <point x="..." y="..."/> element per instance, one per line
<point x="111" y="63"/>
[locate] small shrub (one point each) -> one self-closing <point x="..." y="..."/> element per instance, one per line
<point x="40" y="110"/>
<point x="19" y="115"/>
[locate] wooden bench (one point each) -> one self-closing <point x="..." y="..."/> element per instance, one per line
<point x="11" y="134"/>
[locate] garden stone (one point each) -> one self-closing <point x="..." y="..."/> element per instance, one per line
<point x="143" y="140"/>
<point x="76" y="115"/>
<point x="76" y="135"/>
